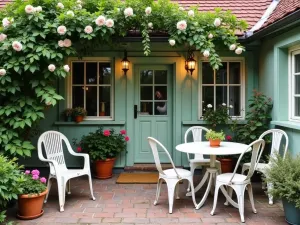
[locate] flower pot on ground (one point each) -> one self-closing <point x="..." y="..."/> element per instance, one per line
<point x="284" y="175"/>
<point x="227" y="164"/>
<point x="67" y="114"/>
<point x="103" y="146"/>
<point x="215" y="138"/>
<point x="79" y="113"/>
<point x="34" y="190"/>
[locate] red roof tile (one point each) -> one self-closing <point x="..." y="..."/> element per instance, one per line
<point x="284" y="8"/>
<point x="4" y="2"/>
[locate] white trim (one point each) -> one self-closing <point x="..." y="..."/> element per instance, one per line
<point x="241" y="60"/>
<point x="69" y="85"/>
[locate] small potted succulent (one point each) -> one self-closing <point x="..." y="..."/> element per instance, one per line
<point x="215" y="137"/>
<point x="67" y="114"/>
<point x="79" y="113"/>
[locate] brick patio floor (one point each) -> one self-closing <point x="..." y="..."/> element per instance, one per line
<point x="133" y="204"/>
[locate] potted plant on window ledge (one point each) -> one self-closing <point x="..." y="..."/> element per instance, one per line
<point x="79" y="113"/>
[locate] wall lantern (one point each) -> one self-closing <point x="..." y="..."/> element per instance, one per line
<point x="125" y="63"/>
<point x="190" y="62"/>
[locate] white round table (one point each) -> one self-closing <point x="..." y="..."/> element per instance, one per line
<point x="203" y="147"/>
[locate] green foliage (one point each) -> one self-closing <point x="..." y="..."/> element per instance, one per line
<point x="218" y="116"/>
<point x="79" y="111"/>
<point x="9" y="179"/>
<point x="284" y="174"/>
<point x="67" y="112"/>
<point x="30" y="183"/>
<point x="214" y="135"/>
<point x="103" y="144"/>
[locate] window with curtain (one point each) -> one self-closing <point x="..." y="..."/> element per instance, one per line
<point x="295" y="85"/>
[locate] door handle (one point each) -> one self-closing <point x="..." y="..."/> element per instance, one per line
<point x="135" y="111"/>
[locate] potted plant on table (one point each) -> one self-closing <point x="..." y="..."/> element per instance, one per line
<point x="79" y="113"/>
<point x="215" y="137"/>
<point x="67" y="113"/>
<point x="103" y="146"/>
<point x="33" y="189"/>
<point x="284" y="175"/>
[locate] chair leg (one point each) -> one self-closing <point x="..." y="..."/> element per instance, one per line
<point x="48" y="187"/>
<point x="240" y="191"/>
<point x="191" y="182"/>
<point x="61" y="194"/>
<point x="270" y="187"/>
<point x="192" y="165"/>
<point x="250" y="193"/>
<point x="177" y="188"/>
<point x="158" y="190"/>
<point x="91" y="186"/>
<point x="217" y="187"/>
<point x="69" y="187"/>
<point x="171" y="185"/>
<point x="229" y="191"/>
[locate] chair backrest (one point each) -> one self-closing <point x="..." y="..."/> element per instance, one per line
<point x="256" y="149"/>
<point x="197" y="137"/>
<point x="276" y="140"/>
<point x="153" y="144"/>
<point x="53" y="145"/>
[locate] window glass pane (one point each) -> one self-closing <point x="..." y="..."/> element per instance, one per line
<point x="297" y="106"/>
<point x="297" y="63"/>
<point x="221" y="74"/>
<point x="161" y="93"/>
<point x="297" y="84"/>
<point x="221" y="95"/>
<point x="104" y="73"/>
<point x="146" y="77"/>
<point x="160" y="77"/>
<point x="207" y="73"/>
<point x="234" y="73"/>
<point x="235" y="101"/>
<point x="78" y="96"/>
<point x="146" y="108"/>
<point x="146" y="93"/>
<point x="104" y="101"/>
<point x="91" y="73"/>
<point x="207" y="96"/>
<point x="91" y="100"/>
<point x="78" y="72"/>
<point x="160" y="108"/>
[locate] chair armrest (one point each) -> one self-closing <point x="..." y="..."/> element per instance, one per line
<point x="85" y="156"/>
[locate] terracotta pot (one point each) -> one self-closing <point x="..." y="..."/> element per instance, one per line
<point x="102" y="114"/>
<point x="78" y="119"/>
<point x="30" y="206"/>
<point x="103" y="168"/>
<point x="214" y="143"/>
<point x="226" y="165"/>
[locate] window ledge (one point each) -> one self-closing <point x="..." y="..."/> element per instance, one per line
<point x="198" y="122"/>
<point x="90" y="122"/>
<point x="288" y="124"/>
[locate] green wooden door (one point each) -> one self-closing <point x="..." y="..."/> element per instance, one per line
<point x="153" y="101"/>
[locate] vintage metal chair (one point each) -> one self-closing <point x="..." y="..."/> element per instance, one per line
<point x="198" y="159"/>
<point x="276" y="141"/>
<point x="239" y="182"/>
<point x="170" y="176"/>
<point x="52" y="143"/>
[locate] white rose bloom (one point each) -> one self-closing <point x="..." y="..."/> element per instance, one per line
<point x="206" y="53"/>
<point x="109" y="23"/>
<point x="39" y="9"/>
<point x="17" y="46"/>
<point x="181" y="25"/>
<point x="61" y="43"/>
<point x="231" y="106"/>
<point x="172" y="42"/>
<point x="67" y="43"/>
<point x="60" y="5"/>
<point x="29" y="9"/>
<point x="181" y="8"/>
<point x="78" y="2"/>
<point x="209" y="106"/>
<point x="238" y="51"/>
<point x="223" y="104"/>
<point x="51" y="68"/>
<point x="100" y="21"/>
<point x="66" y="68"/>
<point x="191" y="13"/>
<point x="88" y="29"/>
<point x="210" y="36"/>
<point x="6" y="22"/>
<point x="48" y="103"/>
<point x="79" y="6"/>
<point x="61" y="30"/>
<point x="217" y="22"/>
<point x="2" y="72"/>
<point x="150" y="25"/>
<point x="128" y="12"/>
<point x="148" y="10"/>
<point x="2" y="37"/>
<point x="232" y="47"/>
<point x="70" y="13"/>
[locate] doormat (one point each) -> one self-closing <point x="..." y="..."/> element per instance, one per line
<point x="137" y="178"/>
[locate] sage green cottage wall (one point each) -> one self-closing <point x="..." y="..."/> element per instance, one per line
<point x="185" y="98"/>
<point x="273" y="81"/>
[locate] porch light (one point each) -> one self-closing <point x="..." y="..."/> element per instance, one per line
<point x="125" y="63"/>
<point x="190" y="62"/>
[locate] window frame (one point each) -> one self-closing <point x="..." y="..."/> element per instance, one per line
<point x="69" y="84"/>
<point x="240" y="60"/>
<point x="292" y="52"/>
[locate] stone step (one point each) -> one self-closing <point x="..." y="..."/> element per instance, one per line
<point x="147" y="167"/>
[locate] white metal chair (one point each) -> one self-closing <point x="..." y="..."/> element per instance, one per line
<point x="53" y="146"/>
<point x="170" y="176"/>
<point x="198" y="159"/>
<point x="239" y="182"/>
<point x="276" y="141"/>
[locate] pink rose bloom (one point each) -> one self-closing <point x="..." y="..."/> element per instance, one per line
<point x="181" y="25"/>
<point x="66" y="68"/>
<point x="35" y="177"/>
<point x="67" y="43"/>
<point x="17" y="46"/>
<point x="123" y="132"/>
<point x="61" y="30"/>
<point x="109" y="23"/>
<point x="79" y="149"/>
<point x="29" y="9"/>
<point x="126" y="138"/>
<point x="228" y="138"/>
<point x="100" y="21"/>
<point x="128" y="12"/>
<point x="2" y="37"/>
<point x="35" y="172"/>
<point x="27" y="171"/>
<point x="61" y="43"/>
<point x="51" y="68"/>
<point x="2" y="72"/>
<point x="88" y="29"/>
<point x="106" y="133"/>
<point x="43" y="180"/>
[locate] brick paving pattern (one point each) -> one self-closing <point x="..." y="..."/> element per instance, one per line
<point x="133" y="204"/>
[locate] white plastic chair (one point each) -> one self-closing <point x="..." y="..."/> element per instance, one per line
<point x="239" y="182"/>
<point x="198" y="159"/>
<point x="170" y="176"/>
<point x="276" y="141"/>
<point x="53" y="145"/>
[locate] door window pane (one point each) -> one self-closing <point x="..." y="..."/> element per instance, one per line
<point x="160" y="108"/>
<point x="160" y="77"/>
<point x="146" y="93"/>
<point x="297" y="106"/>
<point x="207" y="73"/>
<point x="161" y="93"/>
<point x="297" y="84"/>
<point x="146" y="108"/>
<point x="146" y="77"/>
<point x="221" y="74"/>
<point x="297" y="63"/>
